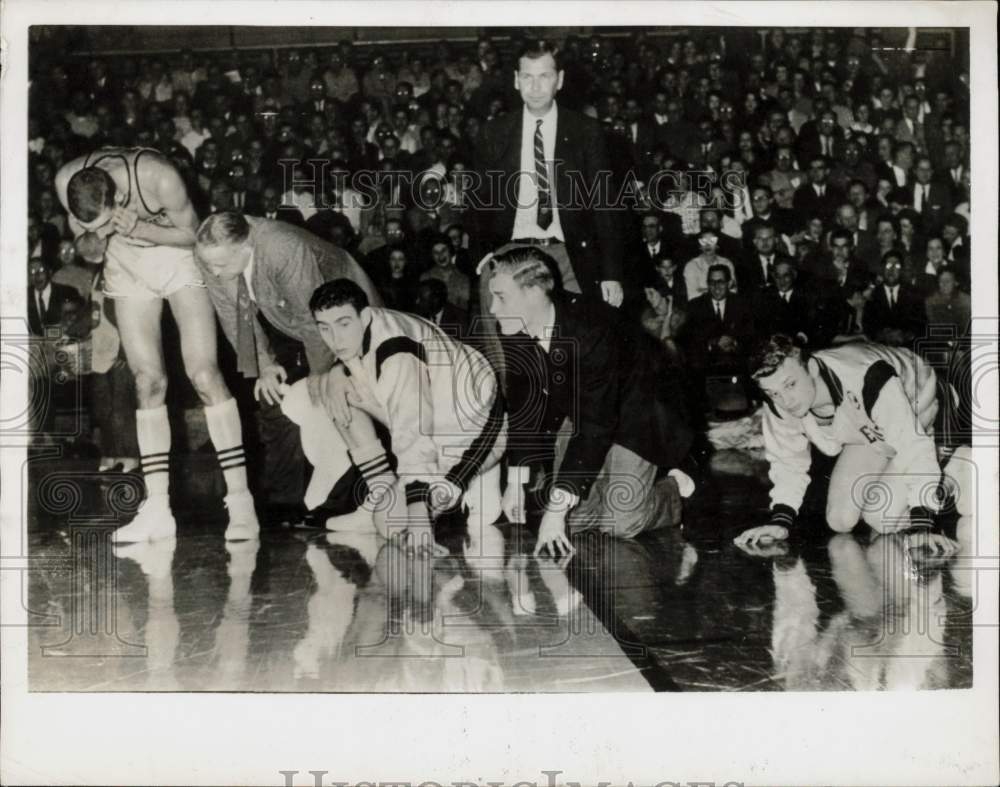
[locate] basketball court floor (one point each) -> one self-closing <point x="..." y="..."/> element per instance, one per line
<point x="305" y="610"/>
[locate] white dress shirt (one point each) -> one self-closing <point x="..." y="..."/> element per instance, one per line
<point x="526" y="218"/>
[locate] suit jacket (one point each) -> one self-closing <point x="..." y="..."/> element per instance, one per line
<point x="593" y="236"/>
<point x="908" y="315"/>
<point x="703" y="326"/>
<point x="773" y="314"/>
<point x="693" y="154"/>
<point x="866" y="250"/>
<point x="938" y="206"/>
<point x="750" y="272"/>
<point x="806" y="201"/>
<point x="289" y="263"/>
<point x="58" y="294"/>
<point x="809" y="144"/>
<point x="916" y="136"/>
<point x="645" y="142"/>
<point x="782" y="220"/>
<point x="610" y="379"/>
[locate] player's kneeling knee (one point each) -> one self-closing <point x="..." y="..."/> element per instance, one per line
<point x="842" y="519"/>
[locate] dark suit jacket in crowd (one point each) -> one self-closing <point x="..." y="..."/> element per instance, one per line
<point x="593" y="236"/>
<point x="58" y="295"/>
<point x="609" y="378"/>
<point x="938" y="207"/>
<point x="750" y="272"/>
<point x="703" y="327"/>
<point x="807" y="202"/>
<point x="773" y="314"/>
<point x="907" y="316"/>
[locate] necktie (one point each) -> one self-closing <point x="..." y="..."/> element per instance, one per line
<point x="718" y="310"/>
<point x="927" y="194"/>
<point x="41" y="308"/>
<point x="892" y="298"/>
<point x="826" y="146"/>
<point x="542" y="174"/>
<point x="246" y="344"/>
<point x="767" y="268"/>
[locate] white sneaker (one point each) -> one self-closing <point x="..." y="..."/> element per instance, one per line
<point x="243" y="524"/>
<point x="153" y="522"/>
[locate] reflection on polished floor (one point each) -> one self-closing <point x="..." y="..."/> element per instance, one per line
<point x="681" y="610"/>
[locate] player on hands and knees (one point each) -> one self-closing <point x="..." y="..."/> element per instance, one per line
<point x="439" y="400"/>
<point x="871" y="406"/>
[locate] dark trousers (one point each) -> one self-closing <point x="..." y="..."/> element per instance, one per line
<point x="282" y="465"/>
<point x="112" y="407"/>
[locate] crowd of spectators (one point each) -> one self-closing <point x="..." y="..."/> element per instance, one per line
<point x="818" y="181"/>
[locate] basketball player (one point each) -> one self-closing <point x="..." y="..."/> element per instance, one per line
<point x="439" y="400"/>
<point x="871" y="406"/>
<point x="129" y="208"/>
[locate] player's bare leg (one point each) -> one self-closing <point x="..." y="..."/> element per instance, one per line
<point x="139" y="327"/>
<point x="195" y="318"/>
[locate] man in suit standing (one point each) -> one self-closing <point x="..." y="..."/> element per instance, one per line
<point x="258" y="268"/>
<point x="580" y="360"/>
<point x="562" y="159"/>
<point x="45" y="297"/>
<point x="559" y="158"/>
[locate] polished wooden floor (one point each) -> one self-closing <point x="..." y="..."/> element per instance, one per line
<point x="310" y="611"/>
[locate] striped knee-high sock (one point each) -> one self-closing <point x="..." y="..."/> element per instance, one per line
<point x="224" y="428"/>
<point x="152" y="431"/>
<point x="373" y="464"/>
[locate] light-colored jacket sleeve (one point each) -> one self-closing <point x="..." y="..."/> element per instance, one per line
<point x="786" y="448"/>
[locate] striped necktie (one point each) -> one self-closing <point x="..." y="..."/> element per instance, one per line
<point x="542" y="174"/>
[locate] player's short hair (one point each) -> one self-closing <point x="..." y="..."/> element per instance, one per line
<point x="529" y="266"/>
<point x="338" y="292"/>
<point x="228" y="226"/>
<point x="768" y="356"/>
<point x="89" y="192"/>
